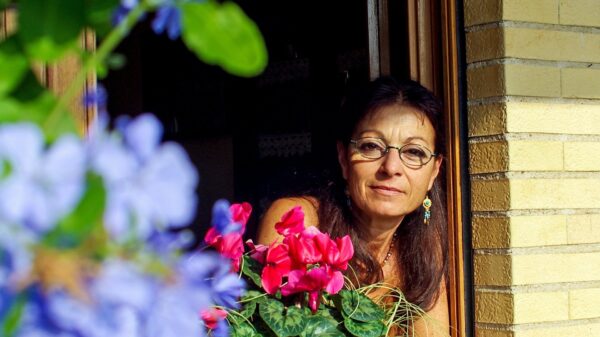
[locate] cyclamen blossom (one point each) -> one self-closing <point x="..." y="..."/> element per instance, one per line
<point x="36" y="187"/>
<point x="229" y="224"/>
<point x="214" y="319"/>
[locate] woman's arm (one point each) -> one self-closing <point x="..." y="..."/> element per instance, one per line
<point x="267" y="234"/>
<point x="437" y="321"/>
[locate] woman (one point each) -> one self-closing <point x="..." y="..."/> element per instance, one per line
<point x="389" y="201"/>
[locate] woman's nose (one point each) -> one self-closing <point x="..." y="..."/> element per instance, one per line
<point x="392" y="164"/>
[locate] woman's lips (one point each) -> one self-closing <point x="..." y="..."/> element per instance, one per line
<point x="386" y="190"/>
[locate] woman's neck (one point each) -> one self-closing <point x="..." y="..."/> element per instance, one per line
<point x="379" y="233"/>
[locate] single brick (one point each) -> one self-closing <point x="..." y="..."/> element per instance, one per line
<point x="580" y="13"/>
<point x="485" y="44"/>
<point x="541" y="307"/>
<point x="493" y="307"/>
<point x="551" y="45"/>
<point x="490" y="195"/>
<point x="482" y="11"/>
<point x="584" y="303"/>
<point x="485" y="82"/>
<point x="582" y="156"/>
<point x="583" y="228"/>
<point x="490" y="232"/>
<point x="487" y="119"/>
<point x="540" y="230"/>
<point x="545" y="117"/>
<point x="535" y="156"/>
<point x="542" y="11"/>
<point x="491" y="269"/>
<point x="555" y="268"/>
<point x="532" y="80"/>
<point x="581" y="82"/>
<point x="488" y="157"/>
<point x="552" y="193"/>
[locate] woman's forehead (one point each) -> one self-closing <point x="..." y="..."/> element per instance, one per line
<point x="397" y="120"/>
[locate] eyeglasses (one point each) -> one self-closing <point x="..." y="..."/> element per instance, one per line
<point x="412" y="155"/>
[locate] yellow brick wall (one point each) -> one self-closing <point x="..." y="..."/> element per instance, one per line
<point x="533" y="88"/>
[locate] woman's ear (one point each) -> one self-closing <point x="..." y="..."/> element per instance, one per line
<point x="436" y="170"/>
<point x="342" y="159"/>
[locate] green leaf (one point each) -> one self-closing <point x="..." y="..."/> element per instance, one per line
<point x="49" y="28"/>
<point x="319" y="326"/>
<point x="13" y="65"/>
<point x="99" y="15"/>
<point x="221" y="34"/>
<point x="252" y="269"/>
<point x="77" y="226"/>
<point x="29" y="88"/>
<point x="359" y="307"/>
<point x="248" y="309"/>
<point x="284" y="322"/>
<point x="13" y="317"/>
<point x="364" y="329"/>
<point x="243" y="329"/>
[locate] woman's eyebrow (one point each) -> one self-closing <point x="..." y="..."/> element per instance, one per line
<point x="410" y="139"/>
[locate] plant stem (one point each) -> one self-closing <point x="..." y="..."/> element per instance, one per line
<point x="111" y="41"/>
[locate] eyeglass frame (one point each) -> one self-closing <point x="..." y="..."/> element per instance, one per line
<point x="399" y="148"/>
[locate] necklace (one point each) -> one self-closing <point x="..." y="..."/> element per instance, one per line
<point x="389" y="253"/>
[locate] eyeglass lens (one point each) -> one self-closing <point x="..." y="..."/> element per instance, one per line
<point x="411" y="154"/>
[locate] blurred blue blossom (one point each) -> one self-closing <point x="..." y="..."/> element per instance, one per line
<point x="222" y="219"/>
<point x="96" y="97"/>
<point x="36" y="187"/>
<point x="129" y="302"/>
<point x="168" y="17"/>
<point x="148" y="183"/>
<point x="226" y="286"/>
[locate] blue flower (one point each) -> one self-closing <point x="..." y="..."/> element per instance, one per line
<point x="222" y="220"/>
<point x="36" y="187"/>
<point x="215" y="271"/>
<point x="124" y="8"/>
<point x="96" y="97"/>
<point x="222" y="329"/>
<point x="150" y="186"/>
<point x="168" y="17"/>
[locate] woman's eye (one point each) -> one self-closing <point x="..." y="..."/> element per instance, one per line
<point x="370" y="146"/>
<point x="415" y="153"/>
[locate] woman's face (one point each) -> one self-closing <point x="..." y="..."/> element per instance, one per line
<point x="385" y="188"/>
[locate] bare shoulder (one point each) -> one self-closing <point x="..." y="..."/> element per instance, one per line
<point x="266" y="229"/>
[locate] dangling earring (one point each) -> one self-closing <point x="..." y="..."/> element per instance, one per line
<point x="427" y="206"/>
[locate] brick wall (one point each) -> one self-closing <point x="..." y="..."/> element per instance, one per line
<point x="533" y="80"/>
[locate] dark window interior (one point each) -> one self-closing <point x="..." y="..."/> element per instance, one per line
<point x="260" y="138"/>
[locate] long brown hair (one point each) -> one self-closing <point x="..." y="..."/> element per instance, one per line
<point x="422" y="248"/>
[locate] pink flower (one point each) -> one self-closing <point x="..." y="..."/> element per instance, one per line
<point x="278" y="265"/>
<point x="257" y="252"/>
<point x="231" y="245"/>
<point x="240" y="213"/>
<point x="304" y="250"/>
<point x="336" y="253"/>
<point x="292" y="222"/>
<point x="212" y="316"/>
<point x="312" y="281"/>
